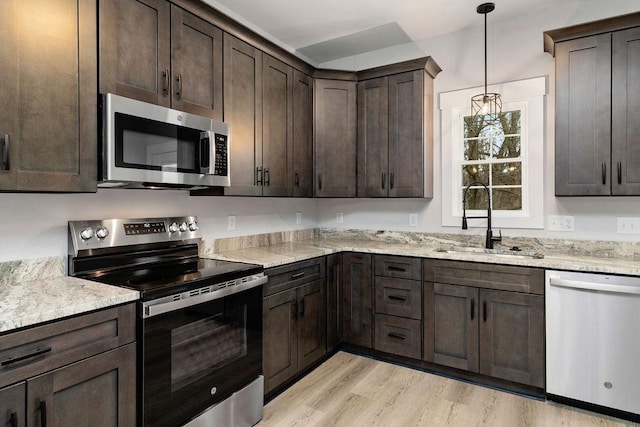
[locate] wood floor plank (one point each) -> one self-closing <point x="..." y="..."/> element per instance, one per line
<point x="352" y="391"/>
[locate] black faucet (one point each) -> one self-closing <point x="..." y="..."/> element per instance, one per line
<point x="490" y="239"/>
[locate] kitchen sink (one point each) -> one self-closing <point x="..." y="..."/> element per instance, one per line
<point x="498" y="253"/>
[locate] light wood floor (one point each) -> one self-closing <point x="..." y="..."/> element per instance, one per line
<point x="350" y="390"/>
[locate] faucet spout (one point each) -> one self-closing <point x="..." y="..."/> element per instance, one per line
<point x="489" y="238"/>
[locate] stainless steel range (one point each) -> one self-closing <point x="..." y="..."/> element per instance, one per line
<point x="199" y="323"/>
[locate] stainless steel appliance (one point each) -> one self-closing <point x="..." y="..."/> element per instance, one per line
<point x="593" y="341"/>
<point x="200" y="320"/>
<point x="149" y="146"/>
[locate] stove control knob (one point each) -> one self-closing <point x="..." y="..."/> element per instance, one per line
<point x="86" y="233"/>
<point x="183" y="227"/>
<point x="193" y="226"/>
<point x="173" y="227"/>
<point x="102" y="232"/>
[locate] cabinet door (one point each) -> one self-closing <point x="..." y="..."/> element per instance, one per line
<point x="335" y="138"/>
<point x="312" y="327"/>
<point x="280" y="340"/>
<point x="135" y="49"/>
<point x="334" y="301"/>
<point x="357" y="299"/>
<point x="12" y="401"/>
<point x="583" y="116"/>
<point x="196" y="65"/>
<point x="98" y="391"/>
<point x="48" y="122"/>
<point x="277" y="127"/>
<point x="302" y="135"/>
<point x="512" y="337"/>
<point x="410" y="129"/>
<point x="626" y="105"/>
<point x="243" y="112"/>
<point x="451" y="325"/>
<point x="373" y="138"/>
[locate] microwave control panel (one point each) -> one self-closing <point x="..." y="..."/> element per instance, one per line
<point x="221" y="167"/>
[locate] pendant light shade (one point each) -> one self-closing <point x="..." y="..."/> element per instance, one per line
<point x="486" y="107"/>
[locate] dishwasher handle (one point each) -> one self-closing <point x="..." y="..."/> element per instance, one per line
<point x="592" y="286"/>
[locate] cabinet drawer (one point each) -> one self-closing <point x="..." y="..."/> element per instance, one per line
<point x="40" y="349"/>
<point x="399" y="267"/>
<point x="291" y="275"/>
<point x="397" y="335"/>
<point x="487" y="276"/>
<point x="398" y="297"/>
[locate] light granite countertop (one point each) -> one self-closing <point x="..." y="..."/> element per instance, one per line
<point x="288" y="252"/>
<point x="27" y="303"/>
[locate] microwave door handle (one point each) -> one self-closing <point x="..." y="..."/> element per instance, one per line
<point x="208" y="152"/>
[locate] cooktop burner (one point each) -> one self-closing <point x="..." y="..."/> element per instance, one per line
<point x="155" y="256"/>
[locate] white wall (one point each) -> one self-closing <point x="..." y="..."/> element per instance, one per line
<point x="515" y="51"/>
<point x="35" y="225"/>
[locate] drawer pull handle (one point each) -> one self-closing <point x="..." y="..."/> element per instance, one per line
<point x="42" y="407"/>
<point x="394" y="268"/>
<point x="298" y="275"/>
<point x="396" y="336"/>
<point x="396" y="298"/>
<point x="37" y="352"/>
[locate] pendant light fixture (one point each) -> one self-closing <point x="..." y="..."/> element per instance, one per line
<point x="486" y="107"/>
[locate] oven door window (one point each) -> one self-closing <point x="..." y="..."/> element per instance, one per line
<point x="151" y="145"/>
<point x="197" y="356"/>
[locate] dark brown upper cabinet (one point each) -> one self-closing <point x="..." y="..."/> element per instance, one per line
<point x="335" y="138"/>
<point x="48" y="122"/>
<point x="258" y="105"/>
<point x="302" y="135"/>
<point x="153" y="51"/>
<point x="597" y="131"/>
<point x="395" y="131"/>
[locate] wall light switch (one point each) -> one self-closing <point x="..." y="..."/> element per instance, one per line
<point x="232" y="223"/>
<point x="298" y="217"/>
<point x="413" y="220"/>
<point x="339" y="218"/>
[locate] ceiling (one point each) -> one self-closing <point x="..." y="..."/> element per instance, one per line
<point x="324" y="30"/>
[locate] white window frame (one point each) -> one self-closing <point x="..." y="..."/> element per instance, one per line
<point x="525" y="95"/>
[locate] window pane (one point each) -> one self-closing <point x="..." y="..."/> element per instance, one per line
<point x="507" y="173"/>
<point x="510" y="121"/>
<point x="477" y="149"/>
<point x="507" y="147"/>
<point x="471" y="129"/>
<point x="475" y="172"/>
<point x="507" y="199"/>
<point x="476" y="198"/>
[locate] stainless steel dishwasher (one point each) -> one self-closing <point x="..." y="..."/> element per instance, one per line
<point x="593" y="340"/>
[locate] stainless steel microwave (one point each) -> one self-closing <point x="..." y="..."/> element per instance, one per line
<point x="149" y="146"/>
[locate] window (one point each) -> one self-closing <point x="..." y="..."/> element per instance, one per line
<point x="507" y="157"/>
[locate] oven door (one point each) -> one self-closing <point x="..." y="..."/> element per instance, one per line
<point x="197" y="356"/>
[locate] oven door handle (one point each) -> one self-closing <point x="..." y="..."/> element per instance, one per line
<point x="184" y="300"/>
<point x="207" y="152"/>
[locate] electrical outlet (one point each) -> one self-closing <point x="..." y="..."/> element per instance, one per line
<point x="629" y="225"/>
<point x="413" y="220"/>
<point x="339" y="218"/>
<point x="562" y="223"/>
<point x="298" y="217"/>
<point x="232" y="223"/>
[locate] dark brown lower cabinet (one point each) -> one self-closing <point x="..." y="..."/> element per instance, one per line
<point x="12" y="410"/>
<point x="493" y="332"/>
<point x="294" y="332"/>
<point x="357" y="299"/>
<point x="98" y="391"/>
<point x="334" y="301"/>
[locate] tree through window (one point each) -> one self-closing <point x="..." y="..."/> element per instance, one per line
<point x="492" y="155"/>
